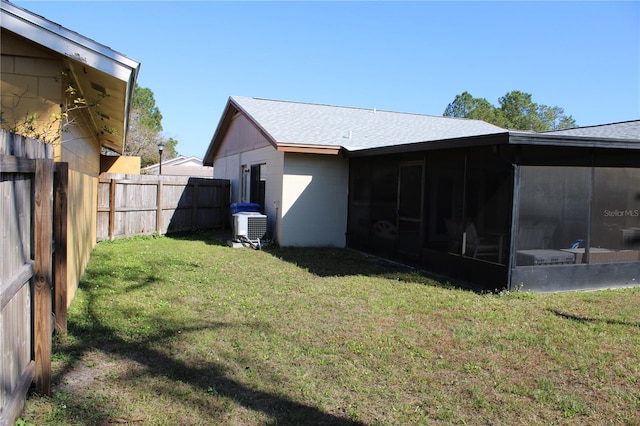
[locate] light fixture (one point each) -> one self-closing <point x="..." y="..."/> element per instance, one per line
<point x="160" y="149"/>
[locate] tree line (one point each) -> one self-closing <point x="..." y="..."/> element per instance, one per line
<point x="516" y="111"/>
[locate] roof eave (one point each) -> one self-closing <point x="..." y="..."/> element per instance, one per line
<point x="461" y="142"/>
<point x="309" y="149"/>
<point x="518" y="138"/>
<point x="78" y="50"/>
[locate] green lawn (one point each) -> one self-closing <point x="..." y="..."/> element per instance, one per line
<point x="187" y="331"/>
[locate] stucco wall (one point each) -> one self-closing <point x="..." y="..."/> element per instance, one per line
<point x="120" y="164"/>
<point x="305" y="194"/>
<point x="230" y="167"/>
<point x="314" y="200"/>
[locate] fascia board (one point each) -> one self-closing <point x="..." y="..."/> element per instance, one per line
<point x="309" y="149"/>
<point x="516" y="138"/>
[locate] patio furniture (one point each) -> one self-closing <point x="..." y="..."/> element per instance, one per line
<point x="454" y="230"/>
<point x="544" y="257"/>
<point x="603" y="255"/>
<point x="482" y="247"/>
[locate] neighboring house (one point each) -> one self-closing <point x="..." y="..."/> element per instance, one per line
<point x="289" y="158"/>
<point x="499" y="209"/>
<point x="40" y="59"/>
<point x="181" y="166"/>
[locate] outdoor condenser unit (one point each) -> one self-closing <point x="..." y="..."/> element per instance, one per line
<point x="250" y="228"/>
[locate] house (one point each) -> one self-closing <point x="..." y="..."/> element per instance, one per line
<point x="181" y="166"/>
<point x="290" y="158"/>
<point x="41" y="61"/>
<point x="495" y="208"/>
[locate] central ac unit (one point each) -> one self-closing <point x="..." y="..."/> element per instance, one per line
<point x="249" y="227"/>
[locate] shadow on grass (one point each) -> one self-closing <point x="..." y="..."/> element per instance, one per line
<point x="210" y="381"/>
<point x="214" y="237"/>
<point x="335" y="262"/>
<point x="583" y="319"/>
<point x="338" y="262"/>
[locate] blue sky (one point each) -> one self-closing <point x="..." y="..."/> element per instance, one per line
<point x="399" y="56"/>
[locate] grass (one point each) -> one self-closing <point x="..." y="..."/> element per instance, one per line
<point x="187" y="331"/>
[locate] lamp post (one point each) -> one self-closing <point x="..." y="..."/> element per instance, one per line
<point x="160" y="149"/>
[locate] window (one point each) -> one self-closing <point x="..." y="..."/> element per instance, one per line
<point x="258" y="184"/>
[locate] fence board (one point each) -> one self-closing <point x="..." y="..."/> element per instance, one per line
<point x="43" y="236"/>
<point x="20" y="159"/>
<point x="138" y="205"/>
<point x="61" y="190"/>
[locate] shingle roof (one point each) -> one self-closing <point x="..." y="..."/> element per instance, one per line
<point x="622" y="130"/>
<point x="353" y="128"/>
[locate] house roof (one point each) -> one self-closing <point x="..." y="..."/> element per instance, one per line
<point x="305" y="127"/>
<point x="622" y="130"/>
<point x="180" y="160"/>
<point x="181" y="166"/>
<point x="97" y="69"/>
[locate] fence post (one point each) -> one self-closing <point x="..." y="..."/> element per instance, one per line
<point x="61" y="188"/>
<point x="112" y="208"/>
<point x="159" y="207"/>
<point x="43" y="236"/>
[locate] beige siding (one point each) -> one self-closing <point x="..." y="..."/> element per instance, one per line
<point x="314" y="200"/>
<point x="242" y="136"/>
<point x="81" y="150"/>
<point x="79" y="147"/>
<point x="29" y="85"/>
<point x="120" y="164"/>
<point x="81" y="225"/>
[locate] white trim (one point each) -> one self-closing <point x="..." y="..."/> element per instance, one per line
<point x="68" y="43"/>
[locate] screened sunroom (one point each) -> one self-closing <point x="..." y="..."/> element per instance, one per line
<point x="521" y="211"/>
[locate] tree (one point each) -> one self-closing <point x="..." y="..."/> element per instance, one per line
<point x="149" y="115"/>
<point x="466" y="106"/>
<point x="145" y="127"/>
<point x="516" y="111"/>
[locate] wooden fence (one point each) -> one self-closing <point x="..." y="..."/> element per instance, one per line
<point x="27" y="264"/>
<point x="130" y="205"/>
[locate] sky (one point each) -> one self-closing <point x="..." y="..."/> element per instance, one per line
<point x="412" y="56"/>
